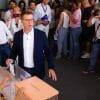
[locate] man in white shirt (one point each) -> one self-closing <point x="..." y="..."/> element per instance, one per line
<point x="42" y="16"/>
<point x="5" y="35"/>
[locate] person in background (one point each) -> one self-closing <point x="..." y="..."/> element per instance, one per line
<point x="12" y="5"/>
<point x="75" y="31"/>
<point x="87" y="32"/>
<point x="42" y="16"/>
<point x="8" y="19"/>
<point x="31" y="46"/>
<point x="22" y="5"/>
<point x="52" y="26"/>
<point x="93" y="2"/>
<point x="31" y="6"/>
<point x="95" y="19"/>
<point x="62" y="31"/>
<point x="5" y="37"/>
<point x="9" y="13"/>
<point x="15" y="24"/>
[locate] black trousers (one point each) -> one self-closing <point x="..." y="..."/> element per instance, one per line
<point x="34" y="72"/>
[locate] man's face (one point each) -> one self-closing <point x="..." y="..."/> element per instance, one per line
<point x="12" y="5"/>
<point x="32" y="6"/>
<point x="27" y="21"/>
<point x="45" y="2"/>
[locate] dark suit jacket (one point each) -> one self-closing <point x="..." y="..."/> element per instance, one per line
<point x="41" y="50"/>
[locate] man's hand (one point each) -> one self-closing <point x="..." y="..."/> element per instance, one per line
<point x="52" y="75"/>
<point x="9" y="61"/>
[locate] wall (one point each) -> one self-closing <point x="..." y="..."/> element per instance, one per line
<point x="3" y="4"/>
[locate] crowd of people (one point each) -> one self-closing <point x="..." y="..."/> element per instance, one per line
<point x="76" y="23"/>
<point x="77" y="29"/>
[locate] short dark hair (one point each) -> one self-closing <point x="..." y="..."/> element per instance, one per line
<point x="27" y="12"/>
<point x="75" y="2"/>
<point x="31" y="1"/>
<point x="23" y="3"/>
<point x="12" y="1"/>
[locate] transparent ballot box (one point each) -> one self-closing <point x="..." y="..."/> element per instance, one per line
<point x="20" y="73"/>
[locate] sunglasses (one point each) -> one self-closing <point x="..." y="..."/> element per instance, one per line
<point x="16" y="15"/>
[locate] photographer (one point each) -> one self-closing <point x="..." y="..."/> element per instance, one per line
<point x="95" y="19"/>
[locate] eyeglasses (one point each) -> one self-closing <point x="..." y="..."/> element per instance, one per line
<point x="28" y="19"/>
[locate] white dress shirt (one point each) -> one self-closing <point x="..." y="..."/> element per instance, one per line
<point x="5" y="33"/>
<point x="28" y="44"/>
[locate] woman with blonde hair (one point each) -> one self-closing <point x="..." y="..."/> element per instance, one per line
<point x="16" y="24"/>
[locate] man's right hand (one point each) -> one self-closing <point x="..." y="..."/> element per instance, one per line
<point x="9" y="61"/>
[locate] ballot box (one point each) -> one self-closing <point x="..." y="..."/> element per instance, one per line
<point x="35" y="89"/>
<point x="20" y="73"/>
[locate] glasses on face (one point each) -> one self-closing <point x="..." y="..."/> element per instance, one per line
<point x="27" y="19"/>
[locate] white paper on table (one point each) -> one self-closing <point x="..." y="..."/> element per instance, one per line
<point x="12" y="69"/>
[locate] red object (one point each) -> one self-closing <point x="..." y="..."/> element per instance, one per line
<point x="16" y="15"/>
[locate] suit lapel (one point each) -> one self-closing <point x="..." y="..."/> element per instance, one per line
<point x="35" y="41"/>
<point x="21" y="43"/>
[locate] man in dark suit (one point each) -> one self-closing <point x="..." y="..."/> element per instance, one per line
<point x="31" y="46"/>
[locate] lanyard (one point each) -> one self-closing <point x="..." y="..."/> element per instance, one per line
<point x="44" y="8"/>
<point x="98" y="27"/>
